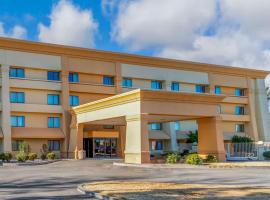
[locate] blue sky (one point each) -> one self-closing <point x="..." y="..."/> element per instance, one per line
<point x="228" y="32"/>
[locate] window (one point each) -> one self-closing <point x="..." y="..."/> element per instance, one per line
<point x="16" y="72"/>
<point x="73" y="100"/>
<point x="16" y="145"/>
<point x="156" y="126"/>
<point x="157" y="145"/>
<point x="177" y="126"/>
<point x="73" y="77"/>
<point x="219" y="109"/>
<point x="127" y="82"/>
<point x="16" y="97"/>
<point x="240" y="128"/>
<point x="239" y="110"/>
<point x="156" y="85"/>
<point x="200" y="88"/>
<point x="108" y="80"/>
<point x="53" y="99"/>
<point x="54" y="145"/>
<point x="217" y="90"/>
<point x="17" y="121"/>
<point x="175" y="86"/>
<point x="53" y="76"/>
<point x="239" y="92"/>
<point x="53" y="122"/>
<point x="108" y="126"/>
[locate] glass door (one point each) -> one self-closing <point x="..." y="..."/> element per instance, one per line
<point x="105" y="147"/>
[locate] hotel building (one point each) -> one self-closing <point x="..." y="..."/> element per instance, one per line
<point x="84" y="102"/>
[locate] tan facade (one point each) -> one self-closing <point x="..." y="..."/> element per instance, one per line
<point x="90" y="66"/>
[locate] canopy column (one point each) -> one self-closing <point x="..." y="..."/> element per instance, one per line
<point x="137" y="142"/>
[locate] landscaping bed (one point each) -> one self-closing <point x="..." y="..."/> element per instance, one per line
<point x="152" y="190"/>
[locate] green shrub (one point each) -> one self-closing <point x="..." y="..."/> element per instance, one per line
<point x="43" y="156"/>
<point x="241" y="139"/>
<point x="192" y="137"/>
<point x="172" y="158"/>
<point x="32" y="156"/>
<point x="211" y="159"/>
<point x="6" y="156"/>
<point x="51" y="155"/>
<point x="194" y="159"/>
<point x="24" y="147"/>
<point x="266" y="154"/>
<point x="22" y="157"/>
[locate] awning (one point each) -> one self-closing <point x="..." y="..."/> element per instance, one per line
<point x="37" y="133"/>
<point x="102" y="134"/>
<point x="182" y="135"/>
<point x="1" y="134"/>
<point x="228" y="136"/>
<point x="158" y="135"/>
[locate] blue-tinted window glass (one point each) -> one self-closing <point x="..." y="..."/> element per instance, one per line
<point x="53" y="76"/>
<point x="108" y="80"/>
<point x="53" y="122"/>
<point x="217" y="90"/>
<point x="239" y="92"/>
<point x="177" y="126"/>
<point x="175" y="86"/>
<point x="17" y="97"/>
<point x="17" y="121"/>
<point x="156" y="85"/>
<point x="73" y="77"/>
<point x="16" y="72"/>
<point x="73" y="100"/>
<point x="155" y="126"/>
<point x="200" y="88"/>
<point x="54" y="145"/>
<point x="159" y="145"/>
<point x="239" y="110"/>
<point x="127" y="82"/>
<point x="53" y="99"/>
<point x="240" y="128"/>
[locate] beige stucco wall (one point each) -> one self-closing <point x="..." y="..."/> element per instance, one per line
<point x="31" y="60"/>
<point x="143" y="72"/>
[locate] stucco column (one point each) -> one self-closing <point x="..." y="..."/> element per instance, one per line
<point x="118" y="78"/>
<point x="252" y="125"/>
<point x="137" y="142"/>
<point x="210" y="138"/>
<point x="76" y="138"/>
<point x="170" y="129"/>
<point x="66" y="118"/>
<point x="121" y="141"/>
<point x="6" y="108"/>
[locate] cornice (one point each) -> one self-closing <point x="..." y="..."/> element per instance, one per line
<point x="61" y="50"/>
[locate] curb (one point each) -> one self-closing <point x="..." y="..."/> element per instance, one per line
<point x="92" y="194"/>
<point x="157" y="166"/>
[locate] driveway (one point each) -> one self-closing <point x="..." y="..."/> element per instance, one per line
<point x="59" y="180"/>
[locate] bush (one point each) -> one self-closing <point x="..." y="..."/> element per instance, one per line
<point x="22" y="157"/>
<point x="51" y="155"/>
<point x="194" y="159"/>
<point x="192" y="137"/>
<point x="266" y="154"/>
<point x="43" y="156"/>
<point x="6" y="156"/>
<point x="241" y="139"/>
<point x="32" y="156"/>
<point x="24" y="147"/>
<point x="185" y="152"/>
<point x="211" y="159"/>
<point x="172" y="158"/>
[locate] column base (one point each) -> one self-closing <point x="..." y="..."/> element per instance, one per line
<point x="137" y="158"/>
<point x="221" y="156"/>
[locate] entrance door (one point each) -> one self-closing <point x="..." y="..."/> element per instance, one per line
<point x="88" y="147"/>
<point x="105" y="147"/>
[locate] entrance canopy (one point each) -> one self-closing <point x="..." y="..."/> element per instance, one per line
<point x="137" y="108"/>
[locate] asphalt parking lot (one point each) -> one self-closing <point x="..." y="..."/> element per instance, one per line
<point x="59" y="180"/>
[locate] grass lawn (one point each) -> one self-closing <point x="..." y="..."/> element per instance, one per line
<point x="149" y="190"/>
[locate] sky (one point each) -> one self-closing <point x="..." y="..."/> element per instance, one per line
<point x="227" y="32"/>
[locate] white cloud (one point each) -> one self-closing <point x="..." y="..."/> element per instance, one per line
<point x="225" y="32"/>
<point x="156" y="23"/>
<point x="69" y="25"/>
<point x="108" y="7"/>
<point x="17" y="31"/>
